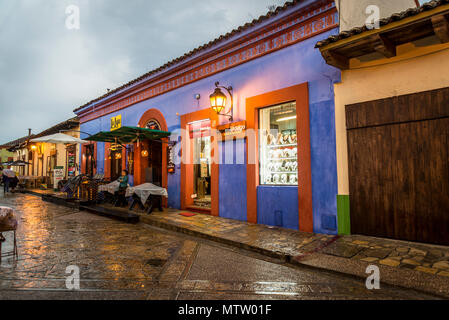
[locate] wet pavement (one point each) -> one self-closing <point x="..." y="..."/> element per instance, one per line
<point x="126" y="261"/>
<point x="422" y="258"/>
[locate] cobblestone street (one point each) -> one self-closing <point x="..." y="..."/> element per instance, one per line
<point x="125" y="261"/>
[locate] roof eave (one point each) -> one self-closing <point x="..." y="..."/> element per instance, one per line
<point x="438" y="16"/>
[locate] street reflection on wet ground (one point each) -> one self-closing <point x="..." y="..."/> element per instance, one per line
<point x="126" y="261"/>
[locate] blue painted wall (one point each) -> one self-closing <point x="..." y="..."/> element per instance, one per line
<point x="174" y="180"/>
<point x="278" y="206"/>
<point x="324" y="167"/>
<point x="290" y="66"/>
<point x="100" y="157"/>
<point x="232" y="183"/>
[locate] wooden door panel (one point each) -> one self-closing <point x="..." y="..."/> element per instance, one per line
<point x="399" y="167"/>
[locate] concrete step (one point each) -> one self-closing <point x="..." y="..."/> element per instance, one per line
<point x="111" y="213"/>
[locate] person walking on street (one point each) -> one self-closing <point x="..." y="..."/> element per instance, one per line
<point x="5" y="183"/>
<point x="7" y="175"/>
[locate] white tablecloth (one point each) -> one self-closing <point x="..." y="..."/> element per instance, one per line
<point x="145" y="190"/>
<point x="112" y="188"/>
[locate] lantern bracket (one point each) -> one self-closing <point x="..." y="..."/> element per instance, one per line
<point x="230" y="113"/>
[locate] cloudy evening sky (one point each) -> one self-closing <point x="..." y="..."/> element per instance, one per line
<point x="46" y="70"/>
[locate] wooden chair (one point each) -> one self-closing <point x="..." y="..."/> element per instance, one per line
<point x="15" y="251"/>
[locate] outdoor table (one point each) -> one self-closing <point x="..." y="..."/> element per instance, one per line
<point x="111" y="188"/>
<point x="30" y="181"/>
<point x="147" y="192"/>
<point x="8" y="223"/>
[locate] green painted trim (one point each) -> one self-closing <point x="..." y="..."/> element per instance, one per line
<point x="344" y="216"/>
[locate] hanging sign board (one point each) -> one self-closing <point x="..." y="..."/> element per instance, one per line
<point x="171" y="159"/>
<point x="231" y="131"/>
<point x="116" y="123"/>
<point x="200" y="129"/>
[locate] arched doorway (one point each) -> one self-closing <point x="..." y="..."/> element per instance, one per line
<point x="151" y="156"/>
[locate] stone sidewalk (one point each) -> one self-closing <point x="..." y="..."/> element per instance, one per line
<point x="418" y="266"/>
<point x="413" y="265"/>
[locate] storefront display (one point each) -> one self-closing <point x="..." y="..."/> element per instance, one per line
<point x="71" y="161"/>
<point x="278" y="145"/>
<point x="202" y="144"/>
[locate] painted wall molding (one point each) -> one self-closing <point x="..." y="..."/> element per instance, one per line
<point x="299" y="28"/>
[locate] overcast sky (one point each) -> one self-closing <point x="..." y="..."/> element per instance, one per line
<point x="46" y="70"/>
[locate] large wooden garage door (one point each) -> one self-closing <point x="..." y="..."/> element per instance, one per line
<point x="399" y="167"/>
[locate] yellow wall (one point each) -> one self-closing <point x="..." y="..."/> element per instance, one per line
<point x="413" y="70"/>
<point x="5" y="154"/>
<point x="47" y="149"/>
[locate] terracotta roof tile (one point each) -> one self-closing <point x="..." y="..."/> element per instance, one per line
<point x="65" y="125"/>
<point x="16" y="142"/>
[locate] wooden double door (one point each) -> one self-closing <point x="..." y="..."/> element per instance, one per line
<point x="399" y="167"/>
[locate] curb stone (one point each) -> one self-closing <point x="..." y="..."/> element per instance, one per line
<point x="408" y="279"/>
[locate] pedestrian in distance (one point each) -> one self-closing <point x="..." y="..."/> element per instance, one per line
<point x="5" y="180"/>
<point x="8" y="175"/>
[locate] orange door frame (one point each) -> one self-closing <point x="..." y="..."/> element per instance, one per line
<point x="151" y="114"/>
<point x="187" y="164"/>
<point x="300" y="94"/>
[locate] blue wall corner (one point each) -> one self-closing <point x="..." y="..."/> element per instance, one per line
<point x="278" y="206"/>
<point x="324" y="164"/>
<point x="232" y="180"/>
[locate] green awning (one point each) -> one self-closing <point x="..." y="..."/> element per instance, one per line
<point x="126" y="135"/>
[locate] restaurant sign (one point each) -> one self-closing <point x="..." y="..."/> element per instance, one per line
<point x="58" y="175"/>
<point x="231" y="131"/>
<point x="116" y="123"/>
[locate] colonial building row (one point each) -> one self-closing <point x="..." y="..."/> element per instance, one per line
<point x="346" y="141"/>
<point x="392" y="125"/>
<point x="294" y="120"/>
<point x="37" y="161"/>
<point x="285" y="177"/>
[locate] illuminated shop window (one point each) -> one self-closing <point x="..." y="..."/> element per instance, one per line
<point x="278" y="145"/>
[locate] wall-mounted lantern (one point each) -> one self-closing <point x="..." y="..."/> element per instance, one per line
<point x="218" y="101"/>
<point x="144" y="153"/>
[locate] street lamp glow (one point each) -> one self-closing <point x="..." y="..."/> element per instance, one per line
<point x="218" y="101"/>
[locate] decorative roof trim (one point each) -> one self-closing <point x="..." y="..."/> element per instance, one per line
<point x="220" y="40"/>
<point x="296" y="27"/>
